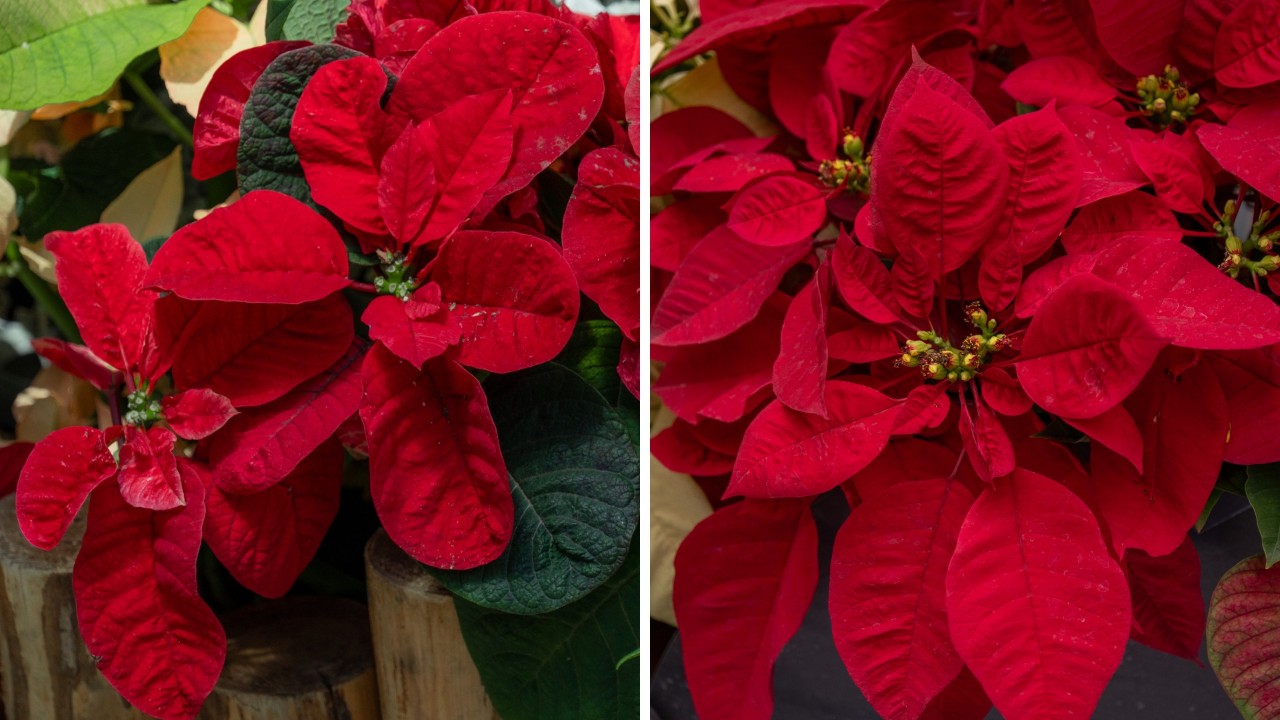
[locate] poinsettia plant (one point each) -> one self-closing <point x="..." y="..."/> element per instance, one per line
<point x="1003" y="278"/>
<point x="433" y="262"/>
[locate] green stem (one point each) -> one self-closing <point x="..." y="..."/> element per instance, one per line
<point x="150" y="99"/>
<point x="44" y="294"/>
<point x="633" y="655"/>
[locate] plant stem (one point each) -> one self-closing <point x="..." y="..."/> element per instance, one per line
<point x="44" y="294"/>
<point x="150" y="99"/>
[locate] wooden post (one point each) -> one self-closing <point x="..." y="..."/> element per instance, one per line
<point x="45" y="669"/>
<point x="424" y="669"/>
<point x="299" y="658"/>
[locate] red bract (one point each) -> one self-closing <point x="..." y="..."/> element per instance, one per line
<point x="915" y="287"/>
<point x="602" y="235"/>
<point x="266" y="538"/>
<point x="730" y="662"/>
<point x="134" y="578"/>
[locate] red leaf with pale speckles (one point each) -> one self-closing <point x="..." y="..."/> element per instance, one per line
<point x="1030" y="569"/>
<point x="436" y="472"/>
<point x="744" y="578"/>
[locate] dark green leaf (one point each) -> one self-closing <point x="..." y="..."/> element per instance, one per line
<point x="629" y="413"/>
<point x="563" y="665"/>
<point x="243" y="9"/>
<point x="151" y="246"/>
<point x="575" y="481"/>
<point x="266" y="159"/>
<point x="1263" y="490"/>
<point x="92" y="174"/>
<point x="592" y="353"/>
<point x="312" y="20"/>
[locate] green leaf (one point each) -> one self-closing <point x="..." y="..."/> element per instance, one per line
<point x="592" y="353"/>
<point x="629" y="413"/>
<point x="59" y="51"/>
<point x="575" y="479"/>
<point x="266" y="158"/>
<point x="91" y="175"/>
<point x="564" y="665"/>
<point x="1263" y="490"/>
<point x="312" y="20"/>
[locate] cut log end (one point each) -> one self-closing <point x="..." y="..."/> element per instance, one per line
<point x="395" y="567"/>
<point x="297" y="659"/>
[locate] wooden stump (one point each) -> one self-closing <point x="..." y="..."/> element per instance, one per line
<point x="296" y="659"/>
<point x="424" y="669"/>
<point x="45" y="669"/>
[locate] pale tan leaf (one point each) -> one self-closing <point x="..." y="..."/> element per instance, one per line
<point x="10" y="122"/>
<point x="258" y="24"/>
<point x="55" y="400"/>
<point x="187" y="63"/>
<point x="8" y="209"/>
<point x="150" y="205"/>
<point x="656" y="45"/>
<point x="38" y="259"/>
<point x="676" y="504"/>
<point x="705" y="85"/>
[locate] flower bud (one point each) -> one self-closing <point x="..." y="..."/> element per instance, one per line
<point x="976" y="314"/>
<point x="852" y="145"/>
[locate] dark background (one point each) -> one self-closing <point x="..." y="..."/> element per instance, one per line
<point x="810" y="682"/>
